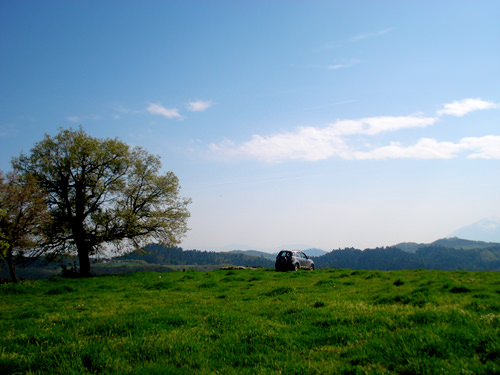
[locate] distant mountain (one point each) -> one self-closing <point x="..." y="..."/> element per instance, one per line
<point x="487" y="230"/>
<point x="460" y="243"/>
<point x="451" y="243"/>
<point x="409" y="247"/>
<point x="315" y="252"/>
<point x="440" y="255"/>
<point x="159" y="254"/>
<point x="444" y="254"/>
<point x="255" y="253"/>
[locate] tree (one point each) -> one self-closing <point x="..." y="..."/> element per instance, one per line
<point x="23" y="213"/>
<point x="101" y="192"/>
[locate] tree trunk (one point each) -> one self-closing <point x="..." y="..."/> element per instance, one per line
<point x="83" y="247"/>
<point x="12" y="269"/>
<point x="84" y="260"/>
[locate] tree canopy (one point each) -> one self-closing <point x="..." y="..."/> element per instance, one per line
<point x="102" y="193"/>
<point x="23" y="214"/>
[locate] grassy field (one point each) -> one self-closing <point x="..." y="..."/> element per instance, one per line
<point x="254" y="322"/>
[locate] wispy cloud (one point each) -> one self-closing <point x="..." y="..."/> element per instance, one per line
<point x="8" y="129"/>
<point x="199" y="105"/>
<point x="425" y="148"/>
<point x="80" y="119"/>
<point x="338" y="44"/>
<point x="487" y="147"/>
<point x="460" y="108"/>
<point x="157" y="109"/>
<point x="313" y="143"/>
<point x="310" y="143"/>
<point x="75" y="119"/>
<point x="343" y="65"/>
<point x="362" y="36"/>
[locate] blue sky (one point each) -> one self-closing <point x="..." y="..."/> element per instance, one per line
<point x="289" y="123"/>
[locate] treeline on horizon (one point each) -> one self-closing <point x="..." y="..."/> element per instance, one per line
<point x="466" y="256"/>
<point x="159" y="254"/>
<point x="432" y="257"/>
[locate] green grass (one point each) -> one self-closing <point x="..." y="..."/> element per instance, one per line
<point x="254" y="322"/>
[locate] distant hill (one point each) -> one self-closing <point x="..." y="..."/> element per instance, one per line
<point x="315" y="252"/>
<point x="460" y="243"/>
<point x="483" y="230"/>
<point x="409" y="247"/>
<point x="255" y="253"/>
<point x="453" y="243"/>
<point x="159" y="254"/>
<point x="446" y="254"/>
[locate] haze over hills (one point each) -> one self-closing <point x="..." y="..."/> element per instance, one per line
<point x="452" y="243"/>
<point x="444" y="254"/>
<point x="487" y="230"/>
<point x="310" y="252"/>
<point x="274" y="250"/>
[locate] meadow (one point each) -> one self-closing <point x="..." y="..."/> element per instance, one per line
<point x="250" y="321"/>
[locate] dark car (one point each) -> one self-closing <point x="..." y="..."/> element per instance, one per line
<point x="293" y="260"/>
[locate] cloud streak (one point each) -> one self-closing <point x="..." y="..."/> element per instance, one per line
<point x="344" y="65"/>
<point x="199" y="105"/>
<point x="359" y="37"/>
<point x="487" y="147"/>
<point x="157" y="109"/>
<point x="312" y="144"/>
<point x="460" y="108"/>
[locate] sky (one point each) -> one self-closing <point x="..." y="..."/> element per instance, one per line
<point x="290" y="124"/>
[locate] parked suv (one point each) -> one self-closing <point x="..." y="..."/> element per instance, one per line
<point x="293" y="260"/>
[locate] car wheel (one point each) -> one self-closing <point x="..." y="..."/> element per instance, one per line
<point x="312" y="267"/>
<point x="296" y="266"/>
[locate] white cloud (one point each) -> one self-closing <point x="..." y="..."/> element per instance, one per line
<point x="375" y="125"/>
<point x="460" y="108"/>
<point x="487" y="147"/>
<point x="308" y="143"/>
<point x="371" y="34"/>
<point x="426" y="148"/>
<point x="79" y="119"/>
<point x="75" y="119"/>
<point x="337" y="66"/>
<point x="342" y="139"/>
<point x="157" y="109"/>
<point x="313" y="143"/>
<point x="199" y="105"/>
<point x="347" y="64"/>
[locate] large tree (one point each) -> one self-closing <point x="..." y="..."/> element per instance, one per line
<point x="101" y="192"/>
<point x="23" y="214"/>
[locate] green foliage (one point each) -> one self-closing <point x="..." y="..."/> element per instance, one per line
<point x="101" y="191"/>
<point x="23" y="214"/>
<point x="254" y="322"/>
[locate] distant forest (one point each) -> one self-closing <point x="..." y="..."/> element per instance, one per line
<point x="447" y="254"/>
<point x="429" y="257"/>
<point x="451" y="254"/>
<point x="158" y="254"/>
